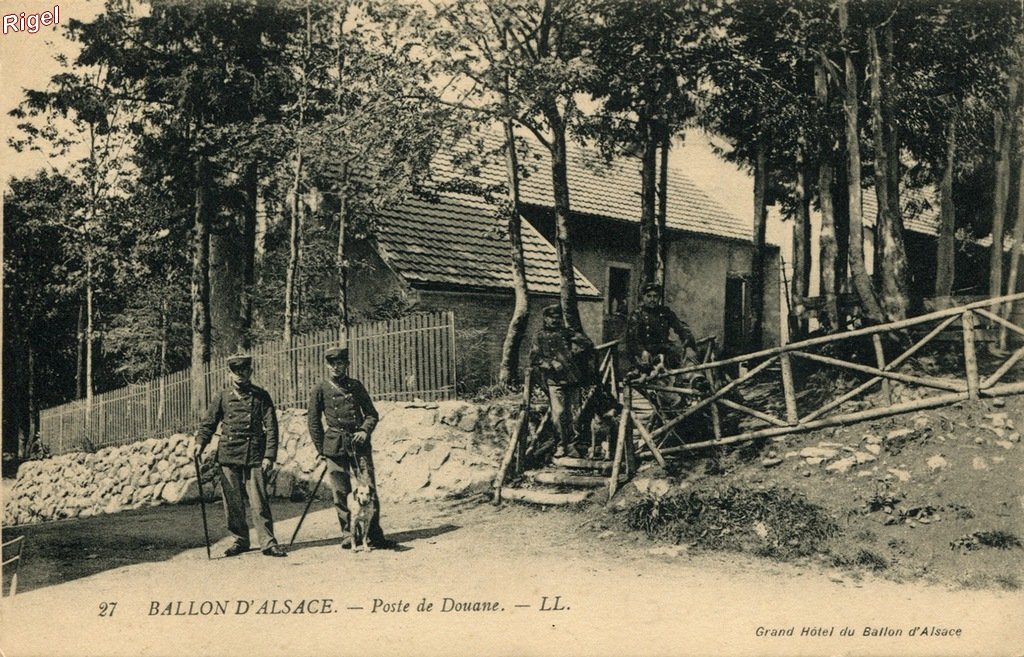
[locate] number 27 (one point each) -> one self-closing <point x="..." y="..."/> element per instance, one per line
<point x="107" y="608"/>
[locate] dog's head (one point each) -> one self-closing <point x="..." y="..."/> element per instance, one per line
<point x="362" y="494"/>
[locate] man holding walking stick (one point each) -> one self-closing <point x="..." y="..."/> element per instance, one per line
<point x="345" y="445"/>
<point x="246" y="453"/>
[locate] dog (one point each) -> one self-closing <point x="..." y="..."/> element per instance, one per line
<point x="361" y="507"/>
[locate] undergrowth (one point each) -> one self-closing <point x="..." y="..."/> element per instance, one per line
<point x="774" y="522"/>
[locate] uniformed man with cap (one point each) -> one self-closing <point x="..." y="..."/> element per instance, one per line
<point x="345" y="444"/>
<point x="246" y="453"/>
<point x="563" y="360"/>
<point x="647" y="332"/>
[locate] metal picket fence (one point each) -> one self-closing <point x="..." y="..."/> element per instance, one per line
<point x="403" y="359"/>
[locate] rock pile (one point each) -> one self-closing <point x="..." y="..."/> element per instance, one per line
<point x="422" y="451"/>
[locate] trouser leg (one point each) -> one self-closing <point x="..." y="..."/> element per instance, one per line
<point x="232" y="488"/>
<point x="365" y="472"/>
<point x="259" y="506"/>
<point x="561" y="418"/>
<point x="341" y="485"/>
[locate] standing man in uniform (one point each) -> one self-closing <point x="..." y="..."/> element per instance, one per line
<point x="246" y="453"/>
<point x="562" y="359"/>
<point x="647" y="332"/>
<point x="345" y="445"/>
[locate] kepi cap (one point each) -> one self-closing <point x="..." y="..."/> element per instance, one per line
<point x="553" y="311"/>
<point x="650" y="287"/>
<point x="336" y="353"/>
<point x="239" y="360"/>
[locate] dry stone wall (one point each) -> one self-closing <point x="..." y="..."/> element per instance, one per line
<point x="422" y="451"/>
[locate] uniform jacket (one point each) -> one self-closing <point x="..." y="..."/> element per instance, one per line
<point x="249" y="426"/>
<point x="647" y="330"/>
<point x="562" y="356"/>
<point x="347" y="407"/>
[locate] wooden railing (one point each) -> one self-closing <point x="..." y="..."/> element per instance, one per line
<point x="403" y="359"/>
<point x="667" y="430"/>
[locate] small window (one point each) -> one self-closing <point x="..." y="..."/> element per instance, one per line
<point x="618" y="290"/>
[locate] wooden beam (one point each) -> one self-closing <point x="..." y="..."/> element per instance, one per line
<point x="928" y="381"/>
<point x="1004" y="368"/>
<point x="868" y="414"/>
<point x="845" y="335"/>
<point x="646" y="435"/>
<point x="999" y="320"/>
<point x="876" y="340"/>
<point x="788" y="389"/>
<point x="770" y="419"/>
<point x="892" y="365"/>
<point x="724" y="390"/>
<point x="620" y="444"/>
<point x="510" y="450"/>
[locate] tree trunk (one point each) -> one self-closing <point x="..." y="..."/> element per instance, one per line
<point x="758" y="260"/>
<point x="1018" y="241"/>
<point x="1003" y="140"/>
<point x="80" y="360"/>
<point x="945" y="260"/>
<point x="340" y="259"/>
<point x="33" y="401"/>
<point x="248" y="255"/>
<point x="801" y="242"/>
<point x="827" y="239"/>
<point x="648" y="202"/>
<point x="509" y="369"/>
<point x="294" y="239"/>
<point x="861" y="280"/>
<point x="661" y="235"/>
<point x="563" y="237"/>
<point x="896" y="265"/>
<point x="200" y="289"/>
<point x="89" y="336"/>
<point x="341" y="262"/>
<point x="890" y="254"/>
<point x="165" y="327"/>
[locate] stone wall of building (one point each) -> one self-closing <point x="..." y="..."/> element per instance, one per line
<point x="422" y="451"/>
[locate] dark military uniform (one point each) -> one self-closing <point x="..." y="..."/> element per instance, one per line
<point x="648" y="330"/>
<point x="249" y="435"/>
<point x="564" y="361"/>
<point x="347" y="407"/>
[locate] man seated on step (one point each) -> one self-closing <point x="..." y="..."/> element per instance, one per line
<point x="562" y="359"/>
<point x="647" y="339"/>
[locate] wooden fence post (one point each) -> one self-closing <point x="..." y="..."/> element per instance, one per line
<point x="620" y="440"/>
<point x="876" y="339"/>
<point x="970" y="354"/>
<point x="788" y="389"/>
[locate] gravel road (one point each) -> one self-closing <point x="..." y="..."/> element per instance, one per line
<point x="510" y="581"/>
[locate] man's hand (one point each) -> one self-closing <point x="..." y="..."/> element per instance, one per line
<point x="197" y="454"/>
<point x="267" y="466"/>
<point x="359" y="438"/>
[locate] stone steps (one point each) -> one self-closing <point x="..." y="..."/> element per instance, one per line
<point x="559" y="477"/>
<point x="544" y="496"/>
<point x="564" y="482"/>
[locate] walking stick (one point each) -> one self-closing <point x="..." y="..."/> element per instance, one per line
<point x="312" y="496"/>
<point x="202" y="506"/>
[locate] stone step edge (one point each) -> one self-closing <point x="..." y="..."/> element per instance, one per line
<point x="547" y="498"/>
<point x="577" y="463"/>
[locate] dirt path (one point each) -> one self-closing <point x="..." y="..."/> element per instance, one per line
<point x="621" y="596"/>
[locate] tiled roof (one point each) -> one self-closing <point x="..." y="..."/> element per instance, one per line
<point x="455" y="242"/>
<point x="612" y="190"/>
<point x="920" y="209"/>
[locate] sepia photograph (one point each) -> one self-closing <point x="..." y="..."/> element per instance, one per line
<point x="512" y="327"/>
